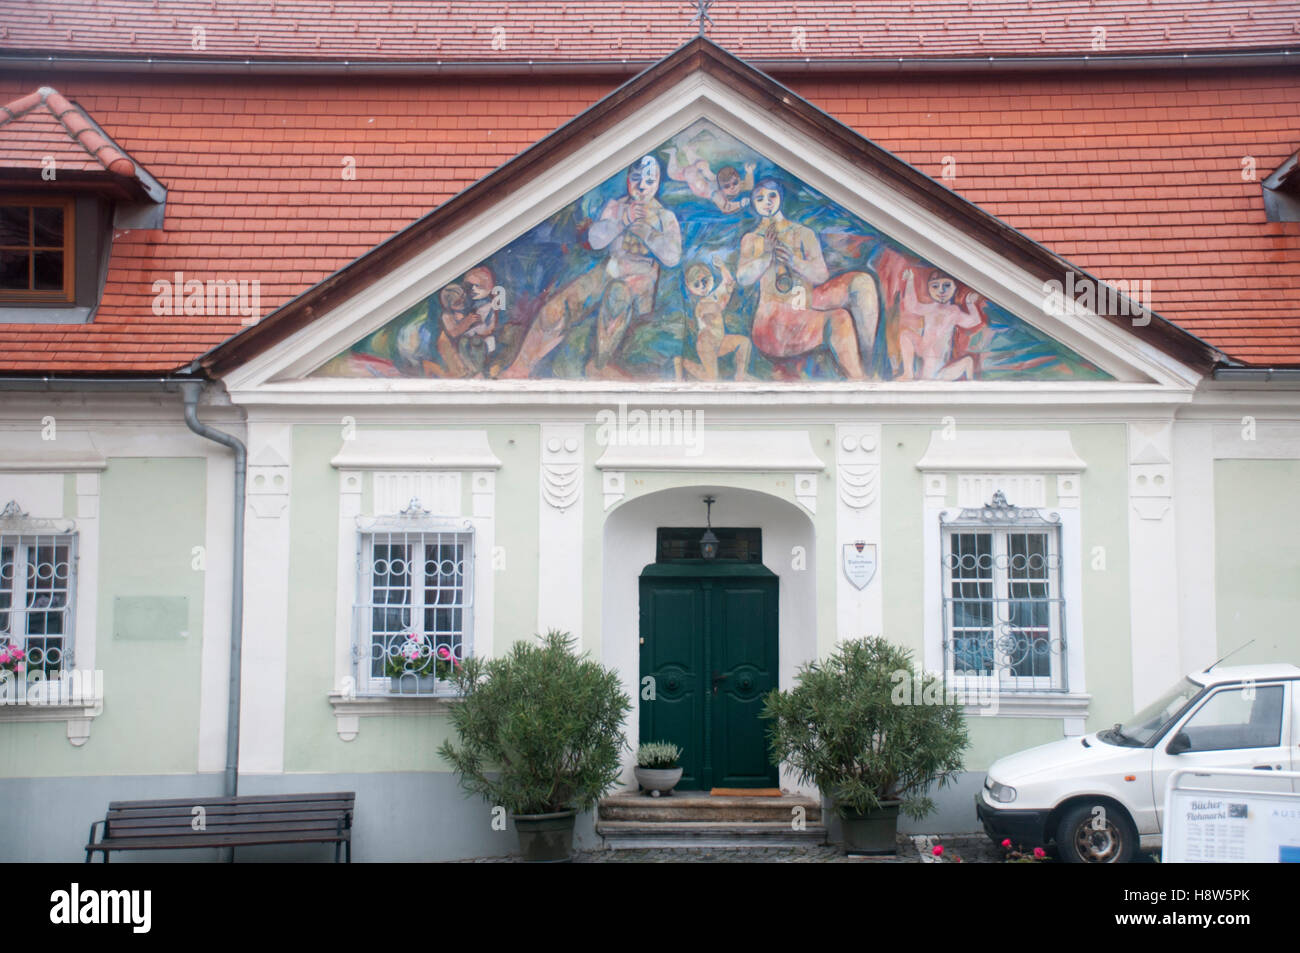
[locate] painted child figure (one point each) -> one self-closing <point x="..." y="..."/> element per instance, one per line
<point x="457" y="318"/>
<point x="723" y="190"/>
<point x="479" y="340"/>
<point x="938" y="322"/>
<point x="711" y="338"/>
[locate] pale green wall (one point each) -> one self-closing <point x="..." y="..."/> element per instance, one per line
<point x="402" y="743"/>
<point x="152" y="514"/>
<point x="1104" y="495"/>
<point x="387" y="742"/>
<point x="1257" y="559"/>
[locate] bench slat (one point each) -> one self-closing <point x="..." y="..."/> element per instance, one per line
<point x="218" y="840"/>
<point x="168" y="830"/>
<point x="131" y="823"/>
<point x="241" y="799"/>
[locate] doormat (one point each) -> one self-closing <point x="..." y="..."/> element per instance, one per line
<point x="745" y="792"/>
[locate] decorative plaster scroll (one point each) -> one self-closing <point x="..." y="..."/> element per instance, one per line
<point x="857" y="464"/>
<point x="561" y="465"/>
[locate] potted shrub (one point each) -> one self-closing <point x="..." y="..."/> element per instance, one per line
<point x="871" y="734"/>
<point x="657" y="770"/>
<point x="415" y="667"/>
<point x="540" y="732"/>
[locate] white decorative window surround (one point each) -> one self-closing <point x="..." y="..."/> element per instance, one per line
<point x="435" y="588"/>
<point x="1032" y="570"/>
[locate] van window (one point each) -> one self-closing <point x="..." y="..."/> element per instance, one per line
<point x="1246" y="717"/>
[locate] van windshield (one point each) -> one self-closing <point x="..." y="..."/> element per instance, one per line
<point x="1144" y="726"/>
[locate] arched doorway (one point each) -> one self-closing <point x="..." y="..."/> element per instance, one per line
<point x="787" y="569"/>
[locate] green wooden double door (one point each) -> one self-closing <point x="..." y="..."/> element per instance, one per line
<point x="709" y="645"/>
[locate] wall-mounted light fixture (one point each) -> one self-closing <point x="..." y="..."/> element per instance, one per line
<point x="709" y="542"/>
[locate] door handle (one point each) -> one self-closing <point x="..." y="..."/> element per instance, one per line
<point x="718" y="677"/>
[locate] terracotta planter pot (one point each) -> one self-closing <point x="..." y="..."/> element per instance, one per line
<point x="657" y="780"/>
<point x="546" y="838"/>
<point x="875" y="832"/>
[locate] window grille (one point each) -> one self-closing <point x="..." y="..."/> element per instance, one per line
<point x="413" y="622"/>
<point x="37" y="595"/>
<point x="1004" y="616"/>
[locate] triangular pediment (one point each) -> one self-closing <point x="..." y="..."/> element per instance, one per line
<point x="704" y="237"/>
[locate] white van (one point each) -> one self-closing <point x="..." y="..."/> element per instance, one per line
<point x="1100" y="797"/>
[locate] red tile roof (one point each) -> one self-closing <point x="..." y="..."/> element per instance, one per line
<point x="643" y="30"/>
<point x="43" y="125"/>
<point x="1130" y="175"/>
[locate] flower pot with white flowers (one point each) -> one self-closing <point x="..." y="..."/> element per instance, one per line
<point x="657" y="769"/>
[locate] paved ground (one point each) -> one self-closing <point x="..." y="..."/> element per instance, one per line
<point x="911" y="850"/>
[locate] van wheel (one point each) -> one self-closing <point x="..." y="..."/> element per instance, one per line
<point x="1093" y="832"/>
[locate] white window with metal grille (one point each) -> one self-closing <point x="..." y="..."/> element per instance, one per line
<point x="1004" y="614"/>
<point x="413" y="622"/>
<point x="37" y="596"/>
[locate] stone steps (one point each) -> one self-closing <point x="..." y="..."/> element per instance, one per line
<point x="634" y="821"/>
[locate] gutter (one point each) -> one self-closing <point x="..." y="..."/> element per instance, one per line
<point x="190" y="394"/>
<point x="628" y="66"/>
<point x="1259" y="375"/>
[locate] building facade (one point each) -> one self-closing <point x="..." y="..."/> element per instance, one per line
<point x="908" y="417"/>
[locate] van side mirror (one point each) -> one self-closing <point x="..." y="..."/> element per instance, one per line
<point x="1179" y="743"/>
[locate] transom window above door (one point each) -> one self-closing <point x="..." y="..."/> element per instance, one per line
<point x="677" y="543"/>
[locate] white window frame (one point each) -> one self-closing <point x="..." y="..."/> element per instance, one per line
<point x="1008" y="648"/>
<point x="410" y="533"/>
<point x="19" y="532"/>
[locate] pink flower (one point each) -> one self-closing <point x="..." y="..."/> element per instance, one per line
<point x="1007" y="843"/>
<point x="938" y="850"/>
<point x="444" y="652"/>
<point x="1039" y="853"/>
<point x="19" y="667"/>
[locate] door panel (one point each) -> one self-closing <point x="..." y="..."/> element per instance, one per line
<point x="711" y="647"/>
<point x="743" y="632"/>
<point x="672" y="653"/>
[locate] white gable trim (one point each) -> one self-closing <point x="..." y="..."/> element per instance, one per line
<point x="281" y="370"/>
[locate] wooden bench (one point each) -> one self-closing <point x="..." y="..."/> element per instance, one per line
<point x="227" y="822"/>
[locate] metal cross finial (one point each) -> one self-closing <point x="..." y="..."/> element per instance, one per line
<point x="702" y="14"/>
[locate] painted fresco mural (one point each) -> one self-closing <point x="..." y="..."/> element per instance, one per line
<point x="704" y="261"/>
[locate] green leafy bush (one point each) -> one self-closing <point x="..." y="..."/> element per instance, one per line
<point x="540" y="729"/>
<point x="658" y="755"/>
<point x="844" y="729"/>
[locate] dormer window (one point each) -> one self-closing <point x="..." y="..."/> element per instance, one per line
<point x="37" y="249"/>
<point x="65" y="185"/>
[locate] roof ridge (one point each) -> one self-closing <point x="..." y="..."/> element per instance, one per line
<point x="76" y="122"/>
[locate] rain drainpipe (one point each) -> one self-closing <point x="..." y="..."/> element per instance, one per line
<point x="190" y="393"/>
